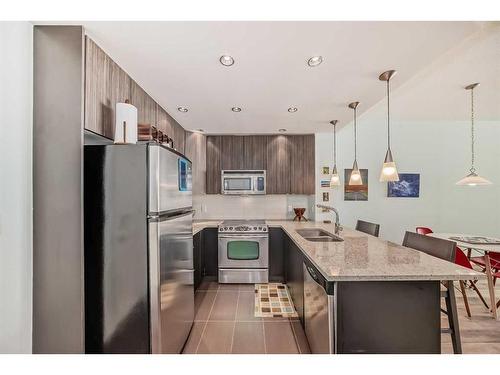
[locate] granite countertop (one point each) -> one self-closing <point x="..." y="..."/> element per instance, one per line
<point x="199" y="225"/>
<point x="361" y="257"/>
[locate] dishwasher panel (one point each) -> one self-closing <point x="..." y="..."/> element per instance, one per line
<point x="318" y="313"/>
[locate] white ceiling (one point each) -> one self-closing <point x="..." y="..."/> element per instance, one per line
<point x="177" y="63"/>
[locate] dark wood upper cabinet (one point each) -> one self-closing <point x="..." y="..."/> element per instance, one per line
<point x="98" y="104"/>
<point x="213" y="182"/>
<point x="302" y="165"/>
<point x="146" y="106"/>
<point x="255" y="152"/>
<point x="288" y="160"/>
<point x="278" y="165"/>
<point x="162" y="121"/>
<point x="233" y="154"/>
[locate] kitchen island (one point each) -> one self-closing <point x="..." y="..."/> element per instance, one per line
<point x="365" y="294"/>
<point x="362" y="294"/>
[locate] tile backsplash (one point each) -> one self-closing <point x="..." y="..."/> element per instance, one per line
<point x="210" y="206"/>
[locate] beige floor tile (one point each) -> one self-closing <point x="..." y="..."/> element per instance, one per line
<point x="194" y="338"/>
<point x="229" y="287"/>
<point x="203" y="302"/>
<point x="208" y="284"/>
<point x="246" y="307"/>
<point x="300" y="337"/>
<point x="248" y="338"/>
<point x="247" y="288"/>
<point x="225" y="305"/>
<point x="279" y="338"/>
<point x="217" y="338"/>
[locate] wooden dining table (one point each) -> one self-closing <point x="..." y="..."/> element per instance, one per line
<point x="486" y="249"/>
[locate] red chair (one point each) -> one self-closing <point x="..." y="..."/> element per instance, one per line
<point x="424" y="230"/>
<point x="494" y="263"/>
<point x="462" y="260"/>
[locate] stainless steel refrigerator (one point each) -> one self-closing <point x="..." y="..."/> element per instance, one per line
<point x="139" y="289"/>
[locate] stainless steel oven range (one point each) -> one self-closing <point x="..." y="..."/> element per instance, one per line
<point x="243" y="252"/>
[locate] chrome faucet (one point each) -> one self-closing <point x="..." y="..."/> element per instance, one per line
<point x="338" y="228"/>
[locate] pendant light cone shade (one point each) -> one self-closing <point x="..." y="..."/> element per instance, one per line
<point x="389" y="171"/>
<point x="355" y="178"/>
<point x="473" y="179"/>
<point x="335" y="180"/>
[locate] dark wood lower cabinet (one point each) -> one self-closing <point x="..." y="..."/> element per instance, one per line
<point x="198" y="258"/>
<point x="210" y="254"/>
<point x="276" y="258"/>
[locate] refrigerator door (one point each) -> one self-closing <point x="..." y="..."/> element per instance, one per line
<point x="170" y="181"/>
<point x="172" y="281"/>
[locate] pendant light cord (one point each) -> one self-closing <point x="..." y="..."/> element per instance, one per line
<point x="472" y="129"/>
<point x="388" y="118"/>
<point x="334" y="144"/>
<point x="355" y="137"/>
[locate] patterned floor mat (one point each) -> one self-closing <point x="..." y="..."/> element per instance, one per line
<point x="273" y="300"/>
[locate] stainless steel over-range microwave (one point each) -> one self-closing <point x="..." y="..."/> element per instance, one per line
<point x="243" y="182"/>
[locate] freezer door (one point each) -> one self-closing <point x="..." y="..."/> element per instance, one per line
<point x="170" y="180"/>
<point x="172" y="282"/>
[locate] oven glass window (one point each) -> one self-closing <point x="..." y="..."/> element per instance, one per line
<point x="243" y="250"/>
<point x="243" y="183"/>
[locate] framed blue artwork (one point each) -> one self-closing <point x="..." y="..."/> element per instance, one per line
<point x="408" y="186"/>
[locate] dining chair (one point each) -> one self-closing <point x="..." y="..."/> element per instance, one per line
<point x="368" y="228"/>
<point x="445" y="250"/>
<point x="423" y="230"/>
<point x="462" y="260"/>
<point x="494" y="263"/>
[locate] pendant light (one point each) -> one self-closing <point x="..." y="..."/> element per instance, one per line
<point x="389" y="171"/>
<point x="355" y="178"/>
<point x="335" y="180"/>
<point x="473" y="179"/>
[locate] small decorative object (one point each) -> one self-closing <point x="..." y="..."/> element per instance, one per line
<point x="472" y="179"/>
<point x="408" y="186"/>
<point x="299" y="214"/>
<point x="389" y="171"/>
<point x="335" y="179"/>
<point x="326" y="170"/>
<point x="356" y="192"/>
<point x="355" y="177"/>
<point x="326" y="197"/>
<point x="126" y="123"/>
<point x="325" y="183"/>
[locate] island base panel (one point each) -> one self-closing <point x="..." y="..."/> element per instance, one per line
<point x="388" y="317"/>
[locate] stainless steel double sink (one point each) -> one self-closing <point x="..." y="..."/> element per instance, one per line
<point x="318" y="235"/>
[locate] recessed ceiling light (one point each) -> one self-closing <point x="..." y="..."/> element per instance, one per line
<point x="282" y="130"/>
<point x="315" y="61"/>
<point x="293" y="109"/>
<point x="236" y="109"/>
<point x="226" y="60"/>
<point x="182" y="109"/>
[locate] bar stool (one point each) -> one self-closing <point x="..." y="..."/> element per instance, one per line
<point x="368" y="228"/>
<point x="445" y="250"/>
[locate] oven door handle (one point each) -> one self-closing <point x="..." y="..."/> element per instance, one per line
<point x="242" y="236"/>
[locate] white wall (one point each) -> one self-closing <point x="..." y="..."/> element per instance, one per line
<point x="440" y="152"/>
<point x="211" y="206"/>
<point x="15" y="187"/>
